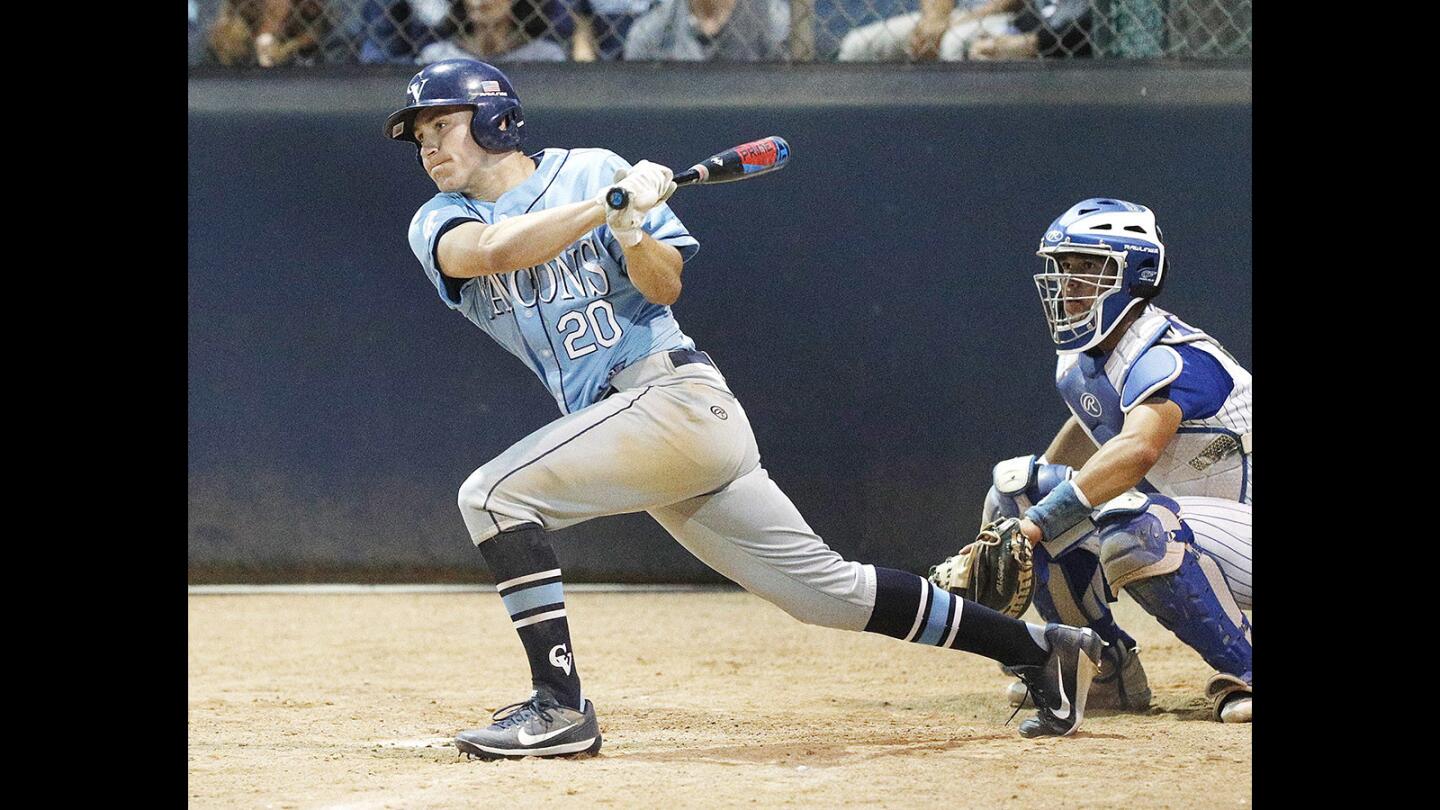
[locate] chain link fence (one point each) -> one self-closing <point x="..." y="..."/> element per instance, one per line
<point x="268" y="33"/>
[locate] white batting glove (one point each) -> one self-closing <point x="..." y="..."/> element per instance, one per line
<point x="649" y="184"/>
<point x="625" y="224"/>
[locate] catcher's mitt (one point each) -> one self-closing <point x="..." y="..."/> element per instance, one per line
<point x="997" y="570"/>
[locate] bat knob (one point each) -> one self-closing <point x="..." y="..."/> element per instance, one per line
<point x="617" y="198"/>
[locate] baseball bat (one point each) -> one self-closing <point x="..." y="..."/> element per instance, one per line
<point x="736" y="163"/>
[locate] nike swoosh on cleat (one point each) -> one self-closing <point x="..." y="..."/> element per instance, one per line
<point x="527" y="739"/>
<point x="1064" y="711"/>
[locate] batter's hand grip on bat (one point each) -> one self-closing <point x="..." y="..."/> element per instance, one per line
<point x="739" y="163"/>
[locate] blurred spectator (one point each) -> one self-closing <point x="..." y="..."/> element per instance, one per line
<point x="605" y="24"/>
<point x="938" y="29"/>
<point x="721" y="30"/>
<point x="491" y="30"/>
<point x="1047" y="28"/>
<point x="395" y="31"/>
<point x="268" y="32"/>
<point x="197" y="35"/>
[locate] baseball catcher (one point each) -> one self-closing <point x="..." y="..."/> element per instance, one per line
<point x="1146" y="488"/>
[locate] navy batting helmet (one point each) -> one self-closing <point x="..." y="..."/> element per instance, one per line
<point x="463" y="82"/>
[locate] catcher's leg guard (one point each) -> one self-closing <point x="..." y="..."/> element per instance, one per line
<point x="1068" y="589"/>
<point x="1071" y="590"/>
<point x="1146" y="549"/>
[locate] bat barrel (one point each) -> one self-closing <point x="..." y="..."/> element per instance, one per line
<point x="744" y="161"/>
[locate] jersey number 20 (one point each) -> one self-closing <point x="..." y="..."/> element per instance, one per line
<point x="589" y="323"/>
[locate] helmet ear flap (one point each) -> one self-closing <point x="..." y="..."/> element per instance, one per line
<point x="485" y="127"/>
<point x="1149" y="280"/>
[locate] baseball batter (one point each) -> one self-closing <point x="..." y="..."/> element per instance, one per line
<point x="526" y="249"/>
<point x="1147" y="487"/>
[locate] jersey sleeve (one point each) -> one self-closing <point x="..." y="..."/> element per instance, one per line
<point x="1187" y="376"/>
<point x="661" y="222"/>
<point x="431" y="222"/>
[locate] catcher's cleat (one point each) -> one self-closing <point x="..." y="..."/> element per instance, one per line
<point x="1120" y="685"/>
<point x="538" y="727"/>
<point x="1061" y="686"/>
<point x="1229" y="698"/>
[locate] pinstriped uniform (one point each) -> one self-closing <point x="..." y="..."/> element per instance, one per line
<point x="1207" y="467"/>
<point x="1222" y="528"/>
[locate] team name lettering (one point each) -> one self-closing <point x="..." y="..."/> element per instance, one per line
<point x="566" y="264"/>
<point x="576" y="273"/>
<point x="593" y="269"/>
<point x="522" y="281"/>
<point x="498" y="295"/>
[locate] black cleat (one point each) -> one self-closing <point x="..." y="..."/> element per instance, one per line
<point x="1060" y="686"/>
<point x="1120" y="685"/>
<point x="538" y="727"/>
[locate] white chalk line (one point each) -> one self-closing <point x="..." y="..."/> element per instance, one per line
<point x="426" y="742"/>
<point x="346" y="588"/>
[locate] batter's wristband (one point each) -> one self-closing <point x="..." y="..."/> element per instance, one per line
<point x="1064" y="507"/>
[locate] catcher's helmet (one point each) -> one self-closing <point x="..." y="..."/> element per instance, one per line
<point x="466" y="82"/>
<point x="1127" y="237"/>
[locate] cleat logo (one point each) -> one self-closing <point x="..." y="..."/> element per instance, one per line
<point x="1062" y="713"/>
<point x="561" y="658"/>
<point x="531" y="739"/>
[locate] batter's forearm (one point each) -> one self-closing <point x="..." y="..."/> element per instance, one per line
<point x="532" y="239"/>
<point x="654" y="268"/>
<point x="1116" y="467"/>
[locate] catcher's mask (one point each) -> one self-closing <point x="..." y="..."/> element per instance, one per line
<point x="1118" y="248"/>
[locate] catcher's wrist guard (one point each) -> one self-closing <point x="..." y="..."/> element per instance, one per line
<point x="997" y="570"/>
<point x="1064" y="507"/>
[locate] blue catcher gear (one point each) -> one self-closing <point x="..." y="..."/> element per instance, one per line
<point x="498" y="120"/>
<point x="1068" y="585"/>
<point x="1082" y="309"/>
<point x="1148" y="550"/>
<point x="1023" y="481"/>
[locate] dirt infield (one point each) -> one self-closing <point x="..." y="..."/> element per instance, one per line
<point x="705" y="700"/>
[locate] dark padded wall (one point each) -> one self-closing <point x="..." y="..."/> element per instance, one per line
<point x="871" y="305"/>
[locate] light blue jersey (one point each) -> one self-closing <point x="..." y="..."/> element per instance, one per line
<point x="577" y="319"/>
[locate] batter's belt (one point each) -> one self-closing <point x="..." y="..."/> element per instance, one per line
<point x="647" y="368"/>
